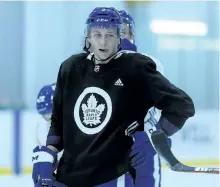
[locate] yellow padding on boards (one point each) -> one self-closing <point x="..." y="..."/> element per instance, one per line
<point x="6" y="171"/>
<point x="211" y="163"/>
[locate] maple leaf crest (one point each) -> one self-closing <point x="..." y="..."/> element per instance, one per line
<point x="92" y="112"/>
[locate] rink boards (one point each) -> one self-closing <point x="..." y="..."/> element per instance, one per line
<point x="197" y="143"/>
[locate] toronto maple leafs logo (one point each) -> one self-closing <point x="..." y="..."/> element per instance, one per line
<point x="92" y="110"/>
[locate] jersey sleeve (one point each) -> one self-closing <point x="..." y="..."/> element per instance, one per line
<point x="55" y="135"/>
<point x="159" y="65"/>
<point x="175" y="105"/>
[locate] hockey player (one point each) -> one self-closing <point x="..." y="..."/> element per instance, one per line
<point x="98" y="98"/>
<point x="44" y="105"/>
<point x="148" y="173"/>
<point x="44" y="101"/>
<point x="128" y="42"/>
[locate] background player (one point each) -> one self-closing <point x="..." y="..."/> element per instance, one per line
<point x="149" y="172"/>
<point x="44" y="104"/>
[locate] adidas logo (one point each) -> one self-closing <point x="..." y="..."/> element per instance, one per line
<point x="118" y="83"/>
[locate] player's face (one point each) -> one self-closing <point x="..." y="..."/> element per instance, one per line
<point x="127" y="33"/>
<point x="104" y="42"/>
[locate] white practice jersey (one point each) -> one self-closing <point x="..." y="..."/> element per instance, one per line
<point x="154" y="112"/>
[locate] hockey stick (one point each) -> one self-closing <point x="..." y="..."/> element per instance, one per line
<point x="159" y="140"/>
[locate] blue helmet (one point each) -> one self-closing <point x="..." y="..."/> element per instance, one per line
<point x="127" y="45"/>
<point x="105" y="17"/>
<point x="128" y="20"/>
<point x="44" y="101"/>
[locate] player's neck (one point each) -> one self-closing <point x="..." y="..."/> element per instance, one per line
<point x="98" y="61"/>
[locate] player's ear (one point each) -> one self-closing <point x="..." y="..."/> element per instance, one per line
<point x="88" y="40"/>
<point x="119" y="41"/>
<point x="132" y="36"/>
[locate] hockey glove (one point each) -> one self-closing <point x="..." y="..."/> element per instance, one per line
<point x="142" y="149"/>
<point x="44" y="164"/>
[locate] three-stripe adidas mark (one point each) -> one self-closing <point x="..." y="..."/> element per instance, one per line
<point x="118" y="83"/>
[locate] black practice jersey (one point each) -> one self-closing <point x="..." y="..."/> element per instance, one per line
<point x="94" y="105"/>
